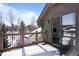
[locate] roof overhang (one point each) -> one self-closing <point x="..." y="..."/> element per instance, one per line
<point x="47" y="6"/>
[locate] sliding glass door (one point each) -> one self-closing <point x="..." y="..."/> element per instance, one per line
<point x="68" y="30"/>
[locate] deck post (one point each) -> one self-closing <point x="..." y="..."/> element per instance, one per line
<point x="46" y="37"/>
<point x="1" y="41"/>
<point x="36" y="37"/>
<point x="22" y="30"/>
<point x="22" y="37"/>
<point x="44" y="34"/>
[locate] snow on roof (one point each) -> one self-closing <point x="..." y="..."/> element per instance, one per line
<point x="39" y="30"/>
<point x="10" y="32"/>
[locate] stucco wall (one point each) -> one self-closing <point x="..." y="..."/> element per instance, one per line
<point x="46" y="28"/>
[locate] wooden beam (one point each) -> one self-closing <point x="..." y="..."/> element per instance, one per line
<point x="27" y="33"/>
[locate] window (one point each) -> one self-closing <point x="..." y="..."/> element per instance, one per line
<point x="68" y="19"/>
<point x="68" y="28"/>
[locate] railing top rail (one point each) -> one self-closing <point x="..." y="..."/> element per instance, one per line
<point x="27" y="33"/>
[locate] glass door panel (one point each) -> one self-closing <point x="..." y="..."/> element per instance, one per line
<point x="68" y="29"/>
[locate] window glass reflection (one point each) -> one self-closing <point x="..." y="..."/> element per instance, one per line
<point x="69" y="29"/>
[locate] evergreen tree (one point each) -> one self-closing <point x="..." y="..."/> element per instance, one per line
<point x="22" y="26"/>
<point x="5" y="40"/>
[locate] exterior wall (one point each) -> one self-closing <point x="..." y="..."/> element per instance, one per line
<point x="76" y="49"/>
<point x="78" y="28"/>
<point x="56" y="11"/>
<point x="46" y="28"/>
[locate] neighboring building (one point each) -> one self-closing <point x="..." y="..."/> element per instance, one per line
<point x="30" y="28"/>
<point x="61" y="22"/>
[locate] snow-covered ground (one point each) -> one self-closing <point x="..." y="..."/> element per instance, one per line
<point x="67" y="37"/>
<point x="15" y="41"/>
<point x="34" y="50"/>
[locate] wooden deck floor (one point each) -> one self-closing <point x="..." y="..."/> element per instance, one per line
<point x="33" y="50"/>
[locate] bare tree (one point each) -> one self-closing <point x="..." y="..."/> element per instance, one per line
<point x="3" y="33"/>
<point x="33" y="21"/>
<point x="18" y="23"/>
<point x="32" y="25"/>
<point x="0" y="18"/>
<point x="11" y="17"/>
<point x="11" y="20"/>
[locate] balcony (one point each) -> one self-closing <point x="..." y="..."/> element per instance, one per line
<point x="40" y="49"/>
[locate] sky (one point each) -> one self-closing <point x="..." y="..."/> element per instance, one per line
<point x="21" y="11"/>
<point x="36" y="7"/>
<point x="69" y="19"/>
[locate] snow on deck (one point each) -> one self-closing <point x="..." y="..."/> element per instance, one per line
<point x="33" y="50"/>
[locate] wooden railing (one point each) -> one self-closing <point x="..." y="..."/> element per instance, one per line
<point x="29" y="39"/>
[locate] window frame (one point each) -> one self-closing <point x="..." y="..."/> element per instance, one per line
<point x="75" y="24"/>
